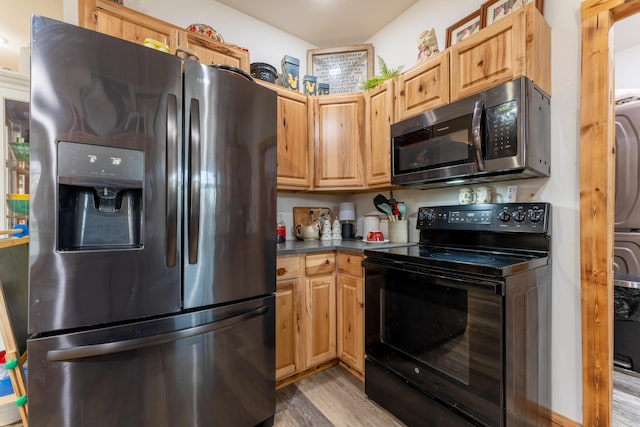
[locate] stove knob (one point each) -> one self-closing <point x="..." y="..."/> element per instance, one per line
<point x="536" y="215"/>
<point x="504" y="216"/>
<point x="430" y="216"/>
<point x="519" y="216"/>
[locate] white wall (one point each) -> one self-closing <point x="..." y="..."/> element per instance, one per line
<point x="397" y="44"/>
<point x="627" y="66"/>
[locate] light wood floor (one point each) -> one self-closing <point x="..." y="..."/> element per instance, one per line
<point x="626" y="398"/>
<point x="332" y="397"/>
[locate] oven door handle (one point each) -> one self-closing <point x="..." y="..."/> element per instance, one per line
<point x="449" y="279"/>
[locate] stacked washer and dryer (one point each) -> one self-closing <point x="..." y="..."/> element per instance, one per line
<point x="626" y="263"/>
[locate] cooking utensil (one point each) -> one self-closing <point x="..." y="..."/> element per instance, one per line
<point x="379" y="200"/>
<point x="387" y="210"/>
<point x="402" y="209"/>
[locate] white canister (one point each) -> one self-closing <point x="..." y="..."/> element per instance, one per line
<point x="370" y="223"/>
<point x="483" y="194"/>
<point x="384" y="227"/>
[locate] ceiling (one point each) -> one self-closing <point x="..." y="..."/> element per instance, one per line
<point x="325" y="23"/>
<point x="355" y="21"/>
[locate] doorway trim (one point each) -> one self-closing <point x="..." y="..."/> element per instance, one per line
<point x="597" y="197"/>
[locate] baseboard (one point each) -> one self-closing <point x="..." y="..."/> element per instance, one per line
<point x="558" y="420"/>
<point x="300" y="375"/>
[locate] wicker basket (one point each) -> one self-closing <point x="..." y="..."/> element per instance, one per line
<point x="262" y="71"/>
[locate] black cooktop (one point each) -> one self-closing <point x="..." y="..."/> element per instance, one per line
<point x="490" y="263"/>
<point x="489" y="239"/>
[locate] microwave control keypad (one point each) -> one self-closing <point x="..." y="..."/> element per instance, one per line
<point x="502" y="130"/>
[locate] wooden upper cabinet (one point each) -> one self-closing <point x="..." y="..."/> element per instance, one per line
<point x="339" y="141"/>
<point x="294" y="140"/>
<point x="212" y="52"/>
<point x="423" y="87"/>
<point x="380" y="115"/>
<point x="119" y="21"/>
<point x="515" y="46"/>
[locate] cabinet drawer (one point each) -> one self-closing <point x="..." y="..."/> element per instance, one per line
<point x="350" y="264"/>
<point x="287" y="267"/>
<point x="320" y="264"/>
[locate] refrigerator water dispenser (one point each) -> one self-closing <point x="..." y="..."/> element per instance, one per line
<point x="100" y="202"/>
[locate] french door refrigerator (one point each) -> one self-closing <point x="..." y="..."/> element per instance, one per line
<point x="152" y="255"/>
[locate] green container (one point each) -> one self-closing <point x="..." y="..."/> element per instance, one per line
<point x="18" y="203"/>
<point x="20" y="151"/>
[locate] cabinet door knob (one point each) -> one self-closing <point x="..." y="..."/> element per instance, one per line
<point x="326" y="262"/>
<point x="281" y="271"/>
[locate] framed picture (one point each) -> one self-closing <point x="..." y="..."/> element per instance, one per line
<point x="344" y="69"/>
<point x="494" y="10"/>
<point x="464" y="28"/>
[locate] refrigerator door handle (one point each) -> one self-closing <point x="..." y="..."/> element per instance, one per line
<point x="94" y="350"/>
<point x="194" y="180"/>
<point x="172" y="180"/>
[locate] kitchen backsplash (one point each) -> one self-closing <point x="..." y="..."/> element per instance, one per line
<point x="527" y="191"/>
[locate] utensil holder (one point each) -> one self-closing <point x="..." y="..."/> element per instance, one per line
<point x="398" y="231"/>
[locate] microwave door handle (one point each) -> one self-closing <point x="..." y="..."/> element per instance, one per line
<point x="172" y="180"/>
<point x="476" y="130"/>
<point x="195" y="146"/>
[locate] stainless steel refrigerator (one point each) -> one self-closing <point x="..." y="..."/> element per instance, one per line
<point x="152" y="252"/>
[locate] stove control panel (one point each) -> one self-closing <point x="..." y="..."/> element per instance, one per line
<point x="506" y="217"/>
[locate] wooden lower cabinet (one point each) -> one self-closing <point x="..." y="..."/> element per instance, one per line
<point x="350" y="311"/>
<point x="321" y="319"/>
<point x="319" y="312"/>
<point x="305" y="312"/>
<point x="287" y="328"/>
<point x="288" y="316"/>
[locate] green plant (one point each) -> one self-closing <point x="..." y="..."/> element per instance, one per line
<point x="385" y="74"/>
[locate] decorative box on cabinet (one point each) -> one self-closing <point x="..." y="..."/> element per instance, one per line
<point x="339" y="135"/>
<point x="423" y="87"/>
<point x="350" y="310"/>
<point x="515" y="46"/>
<point x="380" y="115"/>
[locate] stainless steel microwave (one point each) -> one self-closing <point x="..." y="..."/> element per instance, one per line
<point x="499" y="134"/>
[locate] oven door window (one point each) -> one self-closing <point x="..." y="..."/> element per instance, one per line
<point x="443" y="335"/>
<point x="444" y="144"/>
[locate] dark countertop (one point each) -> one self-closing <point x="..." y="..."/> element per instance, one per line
<point x="358" y="246"/>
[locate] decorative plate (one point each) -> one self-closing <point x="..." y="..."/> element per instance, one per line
<point x="205" y="30"/>
<point x="375" y="241"/>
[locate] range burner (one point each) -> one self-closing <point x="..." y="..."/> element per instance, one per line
<point x="470" y="257"/>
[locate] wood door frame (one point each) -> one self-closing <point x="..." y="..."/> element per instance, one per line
<point x="597" y="199"/>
